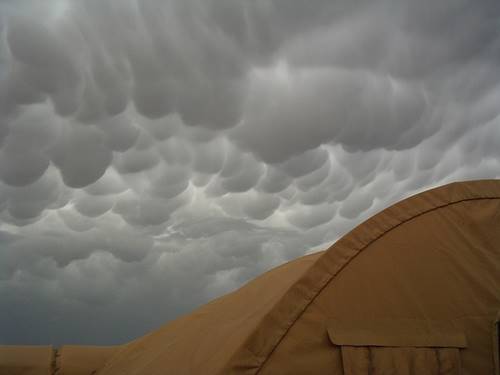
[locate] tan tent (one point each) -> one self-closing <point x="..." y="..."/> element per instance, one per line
<point x="46" y="360"/>
<point x="26" y="360"/>
<point x="82" y="360"/>
<point x="413" y="290"/>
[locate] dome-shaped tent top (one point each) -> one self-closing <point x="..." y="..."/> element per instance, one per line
<point x="414" y="289"/>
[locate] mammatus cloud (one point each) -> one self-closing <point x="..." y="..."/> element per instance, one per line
<point x="156" y="154"/>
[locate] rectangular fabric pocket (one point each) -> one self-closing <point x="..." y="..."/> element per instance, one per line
<point x="397" y="346"/>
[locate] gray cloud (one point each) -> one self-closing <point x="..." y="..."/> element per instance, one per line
<point x="162" y="153"/>
<point x="362" y="109"/>
<point x="81" y="155"/>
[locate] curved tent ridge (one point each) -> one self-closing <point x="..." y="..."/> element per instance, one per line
<point x="259" y="346"/>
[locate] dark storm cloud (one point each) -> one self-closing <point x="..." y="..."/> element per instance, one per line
<point x="156" y="154"/>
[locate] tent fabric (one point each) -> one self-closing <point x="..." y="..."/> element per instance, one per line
<point x="45" y="360"/>
<point x="398" y="346"/>
<point x="396" y="333"/>
<point x="204" y="341"/>
<point x="363" y="361"/>
<point x="434" y="256"/>
<point x="433" y="259"/>
<point x="26" y="360"/>
<point x="496" y="343"/>
<point x="82" y="360"/>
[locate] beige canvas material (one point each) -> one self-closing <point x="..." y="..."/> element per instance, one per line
<point x="496" y="343"/>
<point x="398" y="346"/>
<point x="45" y="360"/>
<point x="26" y="360"/>
<point x="396" y="333"/>
<point x="433" y="256"/>
<point x="399" y="231"/>
<point x="400" y="361"/>
<point x="83" y="360"/>
<point x="441" y="265"/>
<point x="202" y="342"/>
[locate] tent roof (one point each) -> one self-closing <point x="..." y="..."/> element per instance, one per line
<point x="82" y="359"/>
<point x="252" y="321"/>
<point x="338" y="256"/>
<point x="27" y="360"/>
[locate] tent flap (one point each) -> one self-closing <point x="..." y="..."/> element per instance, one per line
<point x="396" y="333"/>
<point x="390" y="360"/>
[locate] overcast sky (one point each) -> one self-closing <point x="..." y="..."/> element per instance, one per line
<point x="157" y="154"/>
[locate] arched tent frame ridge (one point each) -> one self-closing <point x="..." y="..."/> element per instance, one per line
<point x="261" y="343"/>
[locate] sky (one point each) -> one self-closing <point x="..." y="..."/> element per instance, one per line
<point x="157" y="154"/>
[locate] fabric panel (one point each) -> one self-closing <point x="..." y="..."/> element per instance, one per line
<point x="26" y="360"/>
<point x="479" y="357"/>
<point x="204" y="341"/>
<point x="400" y="361"/>
<point x="83" y="360"/>
<point x="395" y="332"/>
<point x="439" y="265"/>
<point x="496" y="344"/>
<point x="293" y="304"/>
<point x="306" y="349"/>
